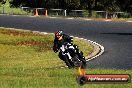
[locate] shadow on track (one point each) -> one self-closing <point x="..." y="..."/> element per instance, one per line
<point x="117" y="33"/>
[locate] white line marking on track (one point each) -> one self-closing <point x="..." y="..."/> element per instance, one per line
<point x="87" y="19"/>
<point x="70" y="18"/>
<point x="107" y="20"/>
<point x="32" y="16"/>
<point x="128" y="21"/>
<point x="52" y="17"/>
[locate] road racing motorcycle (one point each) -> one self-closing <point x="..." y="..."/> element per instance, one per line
<point x="72" y="55"/>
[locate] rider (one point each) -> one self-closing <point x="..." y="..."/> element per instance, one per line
<point x="59" y="40"/>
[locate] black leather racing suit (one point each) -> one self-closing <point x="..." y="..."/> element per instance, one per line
<point x="58" y="44"/>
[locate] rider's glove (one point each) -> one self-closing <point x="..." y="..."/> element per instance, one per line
<point x="55" y="49"/>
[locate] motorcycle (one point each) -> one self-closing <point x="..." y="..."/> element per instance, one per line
<point x="72" y="55"/>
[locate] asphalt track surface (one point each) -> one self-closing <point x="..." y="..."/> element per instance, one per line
<point x="116" y="37"/>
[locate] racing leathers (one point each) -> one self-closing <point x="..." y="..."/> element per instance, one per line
<point x="59" y="43"/>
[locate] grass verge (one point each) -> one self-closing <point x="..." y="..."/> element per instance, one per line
<point x="27" y="61"/>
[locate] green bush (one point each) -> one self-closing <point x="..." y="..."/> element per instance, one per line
<point x="85" y="13"/>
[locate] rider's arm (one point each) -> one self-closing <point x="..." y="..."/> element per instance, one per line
<point x="55" y="46"/>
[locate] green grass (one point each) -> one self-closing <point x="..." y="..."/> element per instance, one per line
<point x="27" y="61"/>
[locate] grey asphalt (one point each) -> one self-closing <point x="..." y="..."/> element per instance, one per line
<point x="116" y="37"/>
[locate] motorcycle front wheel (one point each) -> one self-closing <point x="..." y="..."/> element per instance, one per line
<point x="68" y="62"/>
<point x="77" y="62"/>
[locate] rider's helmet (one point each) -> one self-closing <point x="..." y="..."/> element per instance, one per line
<point x="58" y="34"/>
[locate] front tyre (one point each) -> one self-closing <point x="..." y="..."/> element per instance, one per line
<point x="76" y="61"/>
<point x="68" y="62"/>
<point x="83" y="65"/>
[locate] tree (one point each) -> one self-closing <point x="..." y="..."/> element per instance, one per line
<point x="29" y="3"/>
<point x="125" y="5"/>
<point x="73" y="4"/>
<point x="2" y="1"/>
<point x="18" y="3"/>
<point x="88" y="5"/>
<point x="104" y="5"/>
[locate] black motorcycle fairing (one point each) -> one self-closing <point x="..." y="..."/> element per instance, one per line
<point x="73" y="57"/>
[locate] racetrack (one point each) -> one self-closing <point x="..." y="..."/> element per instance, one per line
<point x="116" y="37"/>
